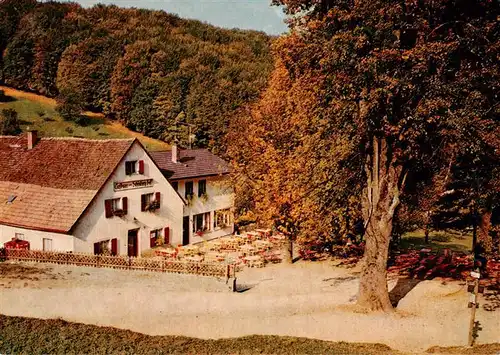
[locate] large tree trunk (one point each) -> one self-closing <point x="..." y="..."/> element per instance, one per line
<point x="380" y="200"/>
<point x="427" y="226"/>
<point x="474" y="230"/>
<point x="288" y="251"/>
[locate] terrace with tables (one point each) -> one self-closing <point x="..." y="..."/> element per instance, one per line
<point x="251" y="249"/>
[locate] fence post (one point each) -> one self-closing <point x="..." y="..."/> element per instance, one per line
<point x="473" y="303"/>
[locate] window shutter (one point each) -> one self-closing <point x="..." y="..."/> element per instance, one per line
<point x="166" y="235"/>
<point x="158" y="197"/>
<point x="96" y="248"/>
<point x="141" y="166"/>
<point x="114" y="246"/>
<point x="125" y="205"/>
<point x="143" y="203"/>
<point x="108" y="208"/>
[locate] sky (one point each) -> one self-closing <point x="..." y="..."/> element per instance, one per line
<point x="244" y="14"/>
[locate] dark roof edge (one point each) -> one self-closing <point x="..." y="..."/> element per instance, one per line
<point x="35" y="228"/>
<point x="197" y="176"/>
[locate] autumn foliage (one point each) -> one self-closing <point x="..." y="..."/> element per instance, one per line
<point x="142" y="67"/>
<point x="371" y="102"/>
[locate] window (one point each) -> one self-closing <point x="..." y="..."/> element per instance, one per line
<point x="102" y="248"/>
<point x="198" y="223"/>
<point x="134" y="167"/>
<point x="155" y="238"/>
<point x="116" y="207"/>
<point x="130" y="167"/>
<point x="223" y="218"/>
<point x="116" y="204"/>
<point x="175" y="185"/>
<point x="189" y="189"/>
<point x="149" y="197"/>
<point x="106" y="247"/>
<point x="19" y="236"/>
<point x="201" y="223"/>
<point x="150" y="202"/>
<point x="47" y="244"/>
<point x="202" y="187"/>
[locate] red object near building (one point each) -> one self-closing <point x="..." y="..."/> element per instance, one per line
<point x="17" y="244"/>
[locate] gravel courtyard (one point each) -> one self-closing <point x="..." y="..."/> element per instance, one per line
<point x="307" y="299"/>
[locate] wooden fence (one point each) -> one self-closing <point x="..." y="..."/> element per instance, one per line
<point x="123" y="262"/>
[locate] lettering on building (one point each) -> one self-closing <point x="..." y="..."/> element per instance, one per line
<point x="136" y="184"/>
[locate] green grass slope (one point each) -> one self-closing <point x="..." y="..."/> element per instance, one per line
<point x="37" y="112"/>
<point x="437" y="240"/>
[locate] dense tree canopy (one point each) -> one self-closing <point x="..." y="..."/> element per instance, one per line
<point x="381" y="96"/>
<point x="142" y="67"/>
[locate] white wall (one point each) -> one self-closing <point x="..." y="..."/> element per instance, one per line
<point x="217" y="233"/>
<point x="94" y="226"/>
<point x="60" y="242"/>
<point x="220" y="197"/>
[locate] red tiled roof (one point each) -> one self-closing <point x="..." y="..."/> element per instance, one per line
<point x="42" y="208"/>
<point x="61" y="163"/>
<point x="192" y="163"/>
<point x="55" y="181"/>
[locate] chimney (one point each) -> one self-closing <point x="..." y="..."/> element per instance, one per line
<point x="32" y="139"/>
<point x="174" y="153"/>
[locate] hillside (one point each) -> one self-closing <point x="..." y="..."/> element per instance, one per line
<point x="38" y="112"/>
<point x="147" y="69"/>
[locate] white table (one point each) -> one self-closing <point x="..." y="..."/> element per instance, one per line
<point x="195" y="258"/>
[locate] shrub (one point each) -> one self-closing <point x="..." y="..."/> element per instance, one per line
<point x="82" y="120"/>
<point x="5" y="98"/>
<point x="69" y="106"/>
<point x="9" y="122"/>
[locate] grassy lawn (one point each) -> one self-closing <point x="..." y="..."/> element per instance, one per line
<point x="34" y="336"/>
<point x="19" y="335"/>
<point x="38" y="112"/>
<point x="437" y="240"/>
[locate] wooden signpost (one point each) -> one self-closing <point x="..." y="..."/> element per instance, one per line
<point x="473" y="290"/>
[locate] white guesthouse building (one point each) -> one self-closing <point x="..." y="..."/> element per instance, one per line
<point x="97" y="196"/>
<point x="83" y="195"/>
<point x="201" y="178"/>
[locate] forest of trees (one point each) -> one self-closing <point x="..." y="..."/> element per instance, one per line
<point x="382" y="111"/>
<point x="145" y="68"/>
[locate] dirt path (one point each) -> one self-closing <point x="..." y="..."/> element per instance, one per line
<point x="307" y="300"/>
